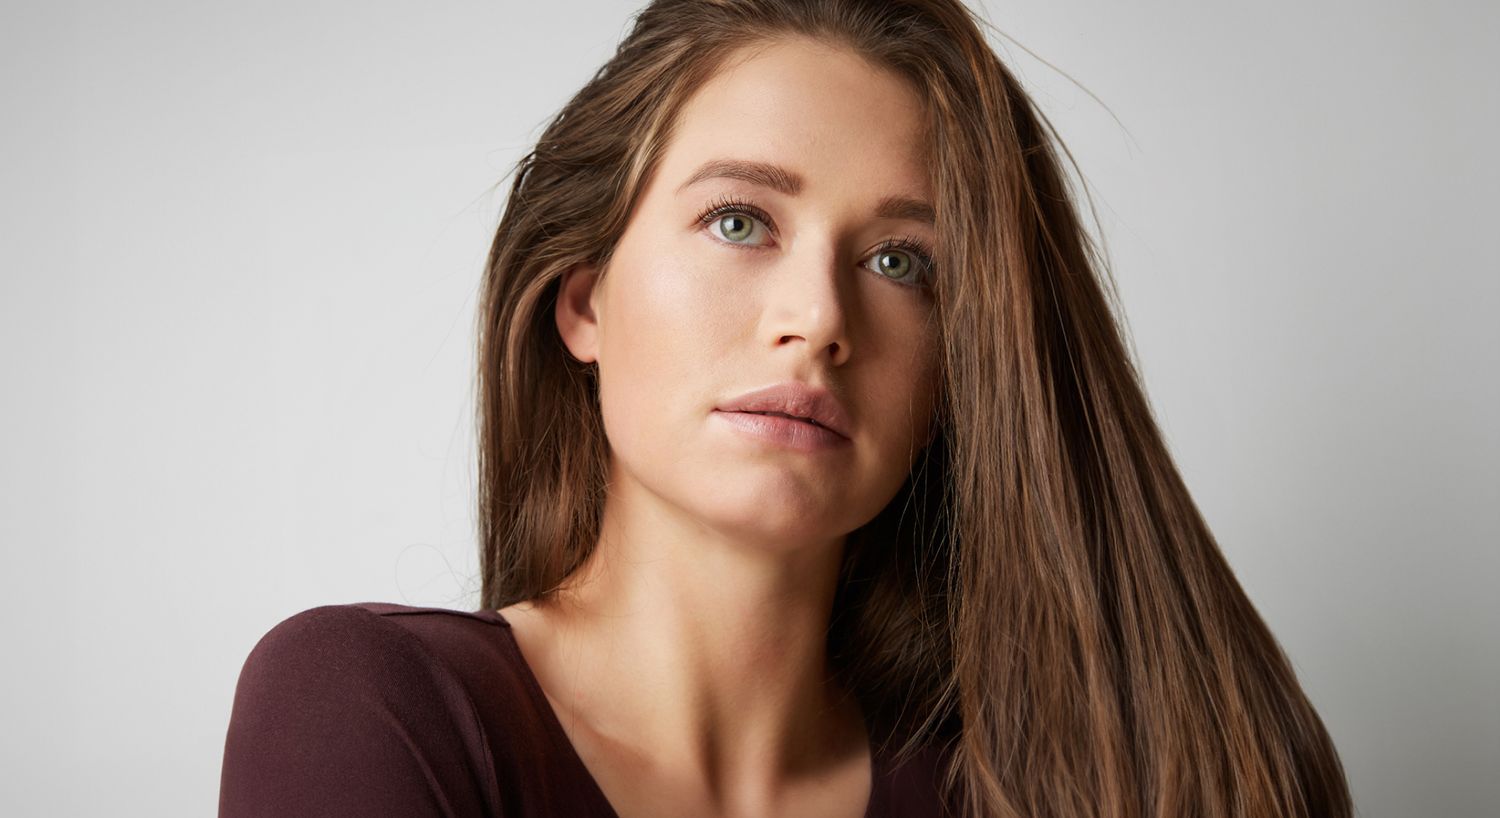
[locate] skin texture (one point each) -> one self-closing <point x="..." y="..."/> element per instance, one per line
<point x="686" y="659"/>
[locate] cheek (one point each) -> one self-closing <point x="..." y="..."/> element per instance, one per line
<point x="906" y="364"/>
<point x="664" y="324"/>
<point x="928" y="382"/>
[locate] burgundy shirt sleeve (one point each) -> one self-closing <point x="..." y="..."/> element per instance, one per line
<point x="339" y="712"/>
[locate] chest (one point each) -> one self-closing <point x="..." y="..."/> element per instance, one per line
<point x="636" y="791"/>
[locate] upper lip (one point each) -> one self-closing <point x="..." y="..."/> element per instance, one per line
<point x="796" y="399"/>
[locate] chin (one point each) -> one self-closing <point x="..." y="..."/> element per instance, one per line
<point x="774" y="519"/>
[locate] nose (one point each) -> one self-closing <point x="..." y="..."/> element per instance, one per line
<point x="808" y="304"/>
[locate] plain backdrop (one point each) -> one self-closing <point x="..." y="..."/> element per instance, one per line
<point x="241" y="247"/>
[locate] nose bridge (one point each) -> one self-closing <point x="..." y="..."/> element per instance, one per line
<point x="809" y="302"/>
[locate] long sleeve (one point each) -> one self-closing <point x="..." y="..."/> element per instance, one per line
<point x="338" y="712"/>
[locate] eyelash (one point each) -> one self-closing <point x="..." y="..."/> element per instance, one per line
<point x="908" y="244"/>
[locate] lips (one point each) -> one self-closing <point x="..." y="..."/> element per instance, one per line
<point x="782" y="432"/>
<point x="797" y="400"/>
<point x="808" y="421"/>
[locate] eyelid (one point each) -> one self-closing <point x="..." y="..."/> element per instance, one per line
<point x="728" y="204"/>
<point x="725" y="205"/>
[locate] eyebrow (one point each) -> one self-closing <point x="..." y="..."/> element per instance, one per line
<point x="790" y="183"/>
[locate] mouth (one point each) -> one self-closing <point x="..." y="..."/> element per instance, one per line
<point x="785" y="431"/>
<point x="785" y="415"/>
<point x="807" y="405"/>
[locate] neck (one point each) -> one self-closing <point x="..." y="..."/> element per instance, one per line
<point x="708" y="648"/>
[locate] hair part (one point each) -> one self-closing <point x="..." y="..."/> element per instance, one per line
<point x="1042" y="599"/>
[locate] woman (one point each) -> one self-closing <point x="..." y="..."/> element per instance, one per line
<point x="815" y="480"/>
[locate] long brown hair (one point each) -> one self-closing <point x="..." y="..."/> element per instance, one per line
<point x="1042" y="599"/>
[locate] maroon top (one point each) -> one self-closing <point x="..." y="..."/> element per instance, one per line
<point x="375" y="708"/>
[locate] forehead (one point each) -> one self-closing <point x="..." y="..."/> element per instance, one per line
<point x="845" y="125"/>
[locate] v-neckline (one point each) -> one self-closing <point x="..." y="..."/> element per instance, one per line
<point x="874" y="805"/>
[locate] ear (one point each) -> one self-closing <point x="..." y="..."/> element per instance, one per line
<point x="577" y="320"/>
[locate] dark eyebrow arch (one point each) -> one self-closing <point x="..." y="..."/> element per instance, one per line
<point x="764" y="174"/>
<point x="789" y="183"/>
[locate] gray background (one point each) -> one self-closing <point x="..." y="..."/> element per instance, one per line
<point x="241" y="249"/>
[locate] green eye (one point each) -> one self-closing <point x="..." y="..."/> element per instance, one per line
<point x="898" y="269"/>
<point x="735" y="226"/>
<point x="734" y="220"/>
<point x="904" y="261"/>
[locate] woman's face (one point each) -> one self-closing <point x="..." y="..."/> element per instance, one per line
<point x="782" y="286"/>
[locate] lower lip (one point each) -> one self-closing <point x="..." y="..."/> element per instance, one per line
<point x="798" y="435"/>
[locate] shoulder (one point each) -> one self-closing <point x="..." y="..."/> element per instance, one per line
<point x="368" y="649"/>
<point x="343" y="708"/>
<point x="324" y="640"/>
<point x="378" y="625"/>
<point x="370" y="645"/>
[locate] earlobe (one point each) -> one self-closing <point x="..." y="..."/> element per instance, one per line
<point x="577" y="323"/>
